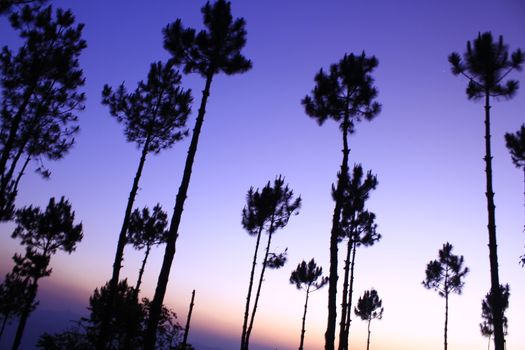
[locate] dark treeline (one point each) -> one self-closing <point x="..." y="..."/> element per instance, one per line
<point x="41" y="96"/>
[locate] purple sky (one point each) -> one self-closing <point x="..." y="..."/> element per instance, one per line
<point x="426" y="148"/>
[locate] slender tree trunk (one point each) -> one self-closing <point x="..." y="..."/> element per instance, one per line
<point x="368" y="339"/>
<point x="499" y="337"/>
<point x="21" y="173"/>
<point x="162" y="283"/>
<point x="4" y="323"/>
<point x="304" y="318"/>
<point x="248" y="297"/>
<point x="141" y="271"/>
<point x="344" y="304"/>
<point x="122" y="240"/>
<point x="258" y="294"/>
<point x="334" y="233"/>
<point x="350" y="295"/>
<point x="25" y="315"/>
<point x="187" y="328"/>
<point x="446" y="319"/>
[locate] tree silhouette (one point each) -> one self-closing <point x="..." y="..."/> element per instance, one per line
<point x="39" y="96"/>
<point x="267" y="210"/>
<point x="345" y="94"/>
<point x="43" y="234"/>
<point x="486" y="64"/>
<point x="127" y="326"/>
<point x="487" y="326"/>
<point x="369" y="306"/>
<point x="358" y="226"/>
<point x="305" y="277"/>
<point x="516" y="145"/>
<point x="13" y="294"/>
<point x="154" y="117"/>
<point x="209" y="52"/>
<point x="446" y="276"/>
<point x="145" y="231"/>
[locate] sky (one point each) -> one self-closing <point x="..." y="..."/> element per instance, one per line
<point x="426" y="148"/>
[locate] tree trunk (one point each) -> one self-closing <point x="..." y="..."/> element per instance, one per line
<point x="350" y="294"/>
<point x="162" y="283"/>
<point x="344" y="304"/>
<point x="446" y="319"/>
<point x="368" y="339"/>
<point x="4" y="323"/>
<point x="334" y="233"/>
<point x="258" y="294"/>
<point x="187" y="328"/>
<point x="122" y="240"/>
<point x="304" y="319"/>
<point x="499" y="337"/>
<point x="248" y="297"/>
<point x="25" y="315"/>
<point x="141" y="271"/>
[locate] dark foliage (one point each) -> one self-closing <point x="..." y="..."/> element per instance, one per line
<point x="309" y="278"/>
<point x="39" y="96"/>
<point x="7" y="6"/>
<point x="359" y="228"/>
<point x="346" y="94"/>
<point x="127" y="326"/>
<point x="154" y="117"/>
<point x="369" y="307"/>
<point x="486" y="64"/>
<point x="209" y="52"/>
<point x="446" y="275"/>
<point x="267" y="210"/>
<point x="487" y="326"/>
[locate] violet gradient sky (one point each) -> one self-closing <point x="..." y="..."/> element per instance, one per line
<point x="426" y="148"/>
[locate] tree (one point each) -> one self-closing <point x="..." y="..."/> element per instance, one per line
<point x="267" y="210"/>
<point x="369" y="307"/>
<point x="12" y="295"/>
<point x="305" y="277"/>
<point x="145" y="231"/>
<point x="127" y="325"/>
<point x="39" y="96"/>
<point x="516" y="145"/>
<point x="154" y="117"/>
<point x="486" y="64"/>
<point x="347" y="95"/>
<point x="359" y="228"/>
<point x="43" y="234"/>
<point x="209" y="52"/>
<point x="487" y="326"/>
<point x="446" y="276"/>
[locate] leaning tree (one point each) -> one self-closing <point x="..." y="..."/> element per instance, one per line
<point x="217" y="49"/>
<point x="43" y="233"/>
<point x="39" y="96"/>
<point x="359" y="228"/>
<point x="266" y="211"/>
<point x="486" y="64"/>
<point x="369" y="307"/>
<point x="154" y="117"/>
<point x="346" y="94"/>
<point x="309" y="278"/>
<point x="446" y="275"/>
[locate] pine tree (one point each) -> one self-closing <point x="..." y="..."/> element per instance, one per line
<point x="369" y="307"/>
<point x="347" y="95"/>
<point x="486" y="64"/>
<point x="446" y="276"/>
<point x="209" y="52"/>
<point x="487" y="326"/>
<point x="39" y="96"/>
<point x="306" y="277"/>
